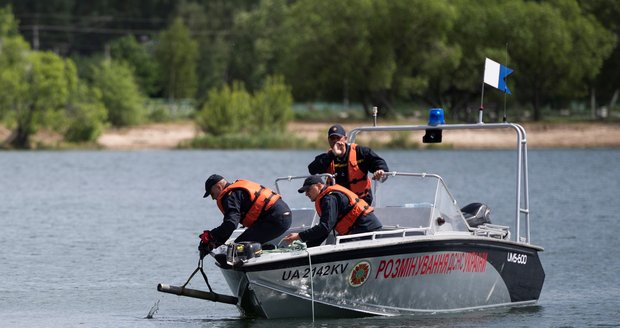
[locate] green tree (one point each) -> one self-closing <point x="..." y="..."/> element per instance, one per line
<point x="213" y="47"/>
<point x="227" y="110"/>
<point x="607" y="85"/>
<point x="232" y="110"/>
<point x="557" y="50"/>
<point x="272" y="106"/>
<point x="13" y="60"/>
<point x="366" y="50"/>
<point x="177" y="53"/>
<point x="411" y="48"/>
<point x="86" y="114"/>
<point x="8" y="25"/>
<point x="33" y="85"/>
<point x="138" y="57"/>
<point x="120" y="93"/>
<point x="84" y="27"/>
<point x="326" y="45"/>
<point x="257" y="38"/>
<point x="455" y="82"/>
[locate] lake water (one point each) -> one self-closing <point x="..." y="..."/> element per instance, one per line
<point x="86" y="236"/>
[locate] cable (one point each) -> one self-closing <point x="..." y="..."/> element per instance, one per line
<point x="298" y="246"/>
<point x="311" y="283"/>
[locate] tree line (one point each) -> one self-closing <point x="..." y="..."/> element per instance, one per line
<point x="230" y="57"/>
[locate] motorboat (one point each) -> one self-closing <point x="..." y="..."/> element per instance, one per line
<point x="431" y="256"/>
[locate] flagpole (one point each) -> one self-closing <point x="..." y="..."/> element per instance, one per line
<point x="481" y="104"/>
<point x="505" y="94"/>
<point x="495" y="75"/>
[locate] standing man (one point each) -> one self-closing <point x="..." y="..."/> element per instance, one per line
<point x="339" y="209"/>
<point x="259" y="209"/>
<point x="350" y="162"/>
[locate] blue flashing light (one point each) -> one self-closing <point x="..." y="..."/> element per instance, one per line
<point x="435" y="117"/>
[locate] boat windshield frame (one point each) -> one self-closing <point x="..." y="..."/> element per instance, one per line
<point x="521" y="192"/>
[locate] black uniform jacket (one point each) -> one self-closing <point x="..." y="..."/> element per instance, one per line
<point x="332" y="206"/>
<point x="367" y="160"/>
<point x="236" y="203"/>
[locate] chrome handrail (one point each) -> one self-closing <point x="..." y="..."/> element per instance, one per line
<point x="294" y="177"/>
<point x="522" y="191"/>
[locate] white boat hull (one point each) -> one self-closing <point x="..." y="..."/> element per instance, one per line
<point x="414" y="277"/>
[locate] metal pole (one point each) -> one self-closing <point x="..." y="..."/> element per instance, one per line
<point x="481" y="104"/>
<point x="374" y="115"/>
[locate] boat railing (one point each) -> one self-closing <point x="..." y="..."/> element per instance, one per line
<point x="492" y="230"/>
<point x="522" y="193"/>
<point x="294" y="177"/>
<point x="402" y="232"/>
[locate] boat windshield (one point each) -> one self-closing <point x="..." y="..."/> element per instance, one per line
<point x="417" y="200"/>
<point x="412" y="201"/>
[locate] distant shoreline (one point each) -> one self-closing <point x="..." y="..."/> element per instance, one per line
<point x="539" y="135"/>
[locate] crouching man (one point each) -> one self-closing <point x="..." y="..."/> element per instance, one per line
<point x="259" y="209"/>
<point x="339" y="209"/>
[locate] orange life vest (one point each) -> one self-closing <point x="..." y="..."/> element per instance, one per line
<point x="346" y="220"/>
<point x="359" y="182"/>
<point x="262" y="199"/>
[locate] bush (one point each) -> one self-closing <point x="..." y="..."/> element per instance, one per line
<point x="233" y="110"/>
<point x="120" y="93"/>
<point x="272" y="106"/>
<point x="227" y="110"/>
<point x="86" y="115"/>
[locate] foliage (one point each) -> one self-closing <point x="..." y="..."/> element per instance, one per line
<point x="213" y="49"/>
<point x="120" y="93"/>
<point x="35" y="86"/>
<point x="271" y="106"/>
<point x="369" y="52"/>
<point x="327" y="112"/>
<point x="8" y="25"/>
<point x="258" y="42"/>
<point x="86" y="115"/>
<point x="137" y="56"/>
<point x="13" y="62"/>
<point x="226" y="111"/>
<point x="607" y="83"/>
<point x="83" y="27"/>
<point x="163" y="110"/>
<point x="325" y="47"/>
<point x="177" y="53"/>
<point x="230" y="110"/>
<point x="559" y="49"/>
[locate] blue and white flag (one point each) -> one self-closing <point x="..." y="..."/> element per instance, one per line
<point x="495" y="73"/>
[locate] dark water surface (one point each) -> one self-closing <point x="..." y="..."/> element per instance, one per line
<point x="86" y="236"/>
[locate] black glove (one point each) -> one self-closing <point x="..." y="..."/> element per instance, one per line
<point x="204" y="249"/>
<point x="207" y="243"/>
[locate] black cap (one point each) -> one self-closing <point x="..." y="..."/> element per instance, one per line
<point x="336" y="129"/>
<point x="313" y="179"/>
<point x="211" y="181"/>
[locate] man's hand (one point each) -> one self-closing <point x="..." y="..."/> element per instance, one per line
<point x="378" y="174"/>
<point x="204" y="249"/>
<point x="207" y="243"/>
<point x="339" y="148"/>
<point x="205" y="237"/>
<point x="291" y="237"/>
